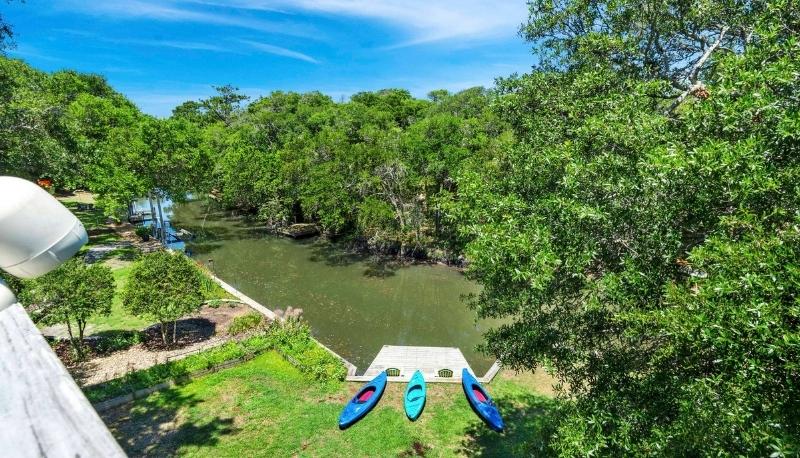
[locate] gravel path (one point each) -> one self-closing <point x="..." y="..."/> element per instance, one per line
<point x="206" y="329"/>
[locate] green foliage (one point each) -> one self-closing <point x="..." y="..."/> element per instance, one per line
<point x="292" y="339"/>
<point x="71" y="295"/>
<point x="373" y="169"/>
<point x="143" y="232"/>
<point x="644" y="248"/>
<point x="116" y="340"/>
<point x="15" y="284"/>
<point x="244" y="323"/>
<point x="164" y="286"/>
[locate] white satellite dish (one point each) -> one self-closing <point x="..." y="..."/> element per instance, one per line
<point x="37" y="232"/>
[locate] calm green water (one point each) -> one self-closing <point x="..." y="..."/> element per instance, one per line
<point x="355" y="304"/>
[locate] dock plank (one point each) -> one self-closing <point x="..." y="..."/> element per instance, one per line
<point x="408" y="359"/>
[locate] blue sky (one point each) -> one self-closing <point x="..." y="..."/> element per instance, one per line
<point x="161" y="53"/>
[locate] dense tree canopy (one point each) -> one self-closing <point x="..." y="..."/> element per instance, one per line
<point x="376" y="169"/>
<point x="644" y="248"/>
<point x="631" y="206"/>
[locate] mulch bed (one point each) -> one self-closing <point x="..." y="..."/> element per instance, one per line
<point x="207" y="327"/>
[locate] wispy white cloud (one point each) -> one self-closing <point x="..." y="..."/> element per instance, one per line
<point x="167" y="12"/>
<point x="425" y="20"/>
<point x="29" y="52"/>
<point x="278" y="51"/>
<point x="185" y="45"/>
<point x="226" y="46"/>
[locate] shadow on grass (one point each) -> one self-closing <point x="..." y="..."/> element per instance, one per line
<point x="92" y="219"/>
<point x="161" y="425"/>
<point x="530" y="421"/>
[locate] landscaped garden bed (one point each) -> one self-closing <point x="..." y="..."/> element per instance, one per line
<point x="206" y="329"/>
<point x="292" y="339"/>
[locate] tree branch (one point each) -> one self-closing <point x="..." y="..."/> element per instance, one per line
<point x="694" y="72"/>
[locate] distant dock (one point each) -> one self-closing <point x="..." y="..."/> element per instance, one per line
<point x="299" y="231"/>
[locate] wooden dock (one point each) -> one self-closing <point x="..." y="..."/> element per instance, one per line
<point x="435" y="363"/>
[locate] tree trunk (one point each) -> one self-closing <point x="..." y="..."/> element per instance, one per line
<point x="76" y="346"/>
<point x="174" y="331"/>
<point x="81" y="328"/>
<point x="153" y="218"/>
<point x="161" y="218"/>
<point x="164" y="333"/>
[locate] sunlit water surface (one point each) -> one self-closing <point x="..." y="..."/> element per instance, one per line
<point x="354" y="303"/>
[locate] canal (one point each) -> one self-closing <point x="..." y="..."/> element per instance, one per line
<point x="354" y="303"/>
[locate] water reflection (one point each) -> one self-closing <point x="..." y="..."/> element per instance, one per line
<point x="354" y="303"/>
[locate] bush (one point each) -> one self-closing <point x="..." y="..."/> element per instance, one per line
<point x="143" y="232"/>
<point x="116" y="340"/>
<point x="292" y="338"/>
<point x="164" y="286"/>
<point x="244" y="323"/>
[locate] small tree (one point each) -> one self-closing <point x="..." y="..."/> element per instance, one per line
<point x="69" y="295"/>
<point x="164" y="286"/>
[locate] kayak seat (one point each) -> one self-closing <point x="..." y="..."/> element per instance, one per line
<point x="478" y="394"/>
<point x="364" y="397"/>
<point x="414" y="394"/>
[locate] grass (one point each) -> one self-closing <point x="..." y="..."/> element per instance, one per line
<point x="266" y="407"/>
<point x="291" y="340"/>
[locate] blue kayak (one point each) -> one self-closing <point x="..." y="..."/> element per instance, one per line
<point x="414" y="400"/>
<point x="366" y="398"/>
<point x="481" y="402"/>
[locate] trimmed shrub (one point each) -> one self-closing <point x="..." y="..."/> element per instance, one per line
<point x="116" y="340"/>
<point x="244" y="323"/>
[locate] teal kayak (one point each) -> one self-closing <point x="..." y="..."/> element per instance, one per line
<point x="414" y="400"/>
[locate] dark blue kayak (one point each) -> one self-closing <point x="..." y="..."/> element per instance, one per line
<point x="481" y="402"/>
<point x="366" y="398"/>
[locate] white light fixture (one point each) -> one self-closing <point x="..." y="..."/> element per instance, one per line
<point x="37" y="232"/>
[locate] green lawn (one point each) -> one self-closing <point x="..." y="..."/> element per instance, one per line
<point x="266" y="407"/>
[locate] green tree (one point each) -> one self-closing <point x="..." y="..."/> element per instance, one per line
<point x="164" y="286"/>
<point x="71" y="295"/>
<point x="638" y="239"/>
<point x="6" y="33"/>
